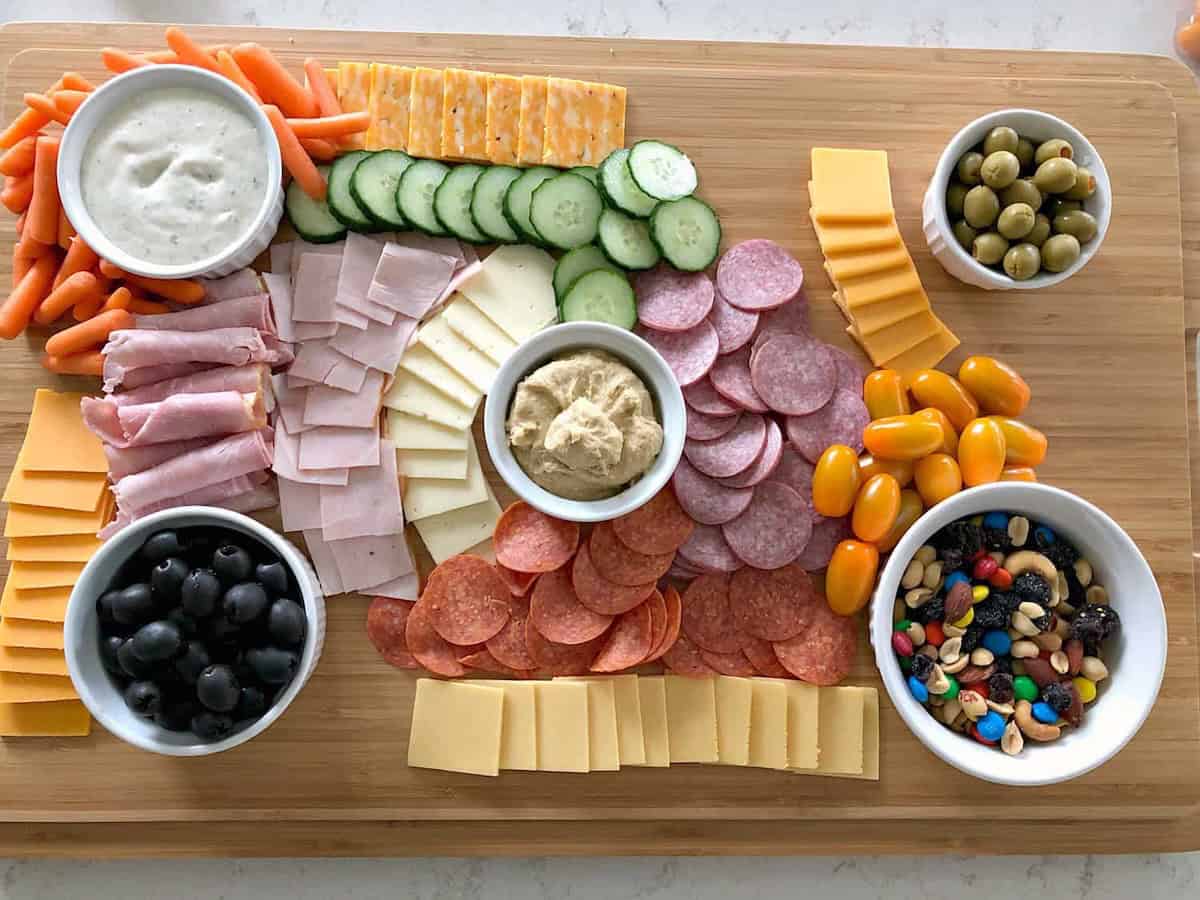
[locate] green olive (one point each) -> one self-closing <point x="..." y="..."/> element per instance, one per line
<point x="955" y="194"/>
<point x="1056" y="147"/>
<point x="1078" y="223"/>
<point x="968" y="168"/>
<point x="989" y="248"/>
<point x="964" y="234"/>
<point x="1000" y="138"/>
<point x="1041" y="231"/>
<point x="1055" y="206"/>
<point x="1060" y="252"/>
<point x="1000" y="169"/>
<point x="981" y="206"/>
<point x="1022" y="261"/>
<point x="1023" y="190"/>
<point x="1016" y="221"/>
<point x="1055" y="175"/>
<point x="1084" y="186"/>
<point x="1025" y="152"/>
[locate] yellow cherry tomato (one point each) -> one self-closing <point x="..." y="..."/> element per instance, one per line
<point x="981" y="452"/>
<point x="1024" y="445"/>
<point x="937" y="477"/>
<point x="902" y="437"/>
<point x="942" y="391"/>
<point x="900" y="469"/>
<point x="996" y="387"/>
<point x="850" y="577"/>
<point x="949" y="435"/>
<point x="1018" y="473"/>
<point x="885" y="394"/>
<point x="876" y="507"/>
<point x="835" y="481"/>
<point x="911" y="509"/>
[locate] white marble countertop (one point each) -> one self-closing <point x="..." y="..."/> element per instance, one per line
<point x="1144" y="26"/>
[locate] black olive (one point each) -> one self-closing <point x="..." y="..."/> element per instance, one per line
<point x="286" y="622"/>
<point x="156" y="641"/>
<point x="210" y="726"/>
<point x="251" y="704"/>
<point x="105" y="606"/>
<point x="232" y="564"/>
<point x="200" y="592"/>
<point x="192" y="661"/>
<point x="218" y="689"/>
<point x="160" y="545"/>
<point x="272" y="665"/>
<point x="167" y="579"/>
<point x="244" y="602"/>
<point x="273" y="576"/>
<point x="176" y="714"/>
<point x="134" y="605"/>
<point x="132" y="666"/>
<point x="143" y="697"/>
<point x="109" y="648"/>
<point x="187" y="626"/>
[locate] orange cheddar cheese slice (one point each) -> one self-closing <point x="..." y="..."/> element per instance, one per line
<point x="61" y="718"/>
<point x="533" y="119"/>
<point x="850" y="185"/>
<point x="43" y="521"/>
<point x="895" y="339"/>
<point x="33" y="660"/>
<point x="464" y="115"/>
<point x="80" y="491"/>
<point x="503" y="118"/>
<point x="31" y="633"/>
<point x="880" y="286"/>
<point x="924" y="355"/>
<point x="26" y="576"/>
<point x="43" y="604"/>
<point x="425" y="114"/>
<point x="334" y="80"/>
<point x="354" y="94"/>
<point x="21" y="687"/>
<point x="387" y="102"/>
<point x="875" y="317"/>
<point x="866" y="262"/>
<point x="57" y="440"/>
<point x="845" y="240"/>
<point x="62" y="548"/>
<point x="574" y="117"/>
<point x="612" y="123"/>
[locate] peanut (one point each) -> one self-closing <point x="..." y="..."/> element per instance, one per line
<point x="982" y="656"/>
<point x="951" y="649"/>
<point x="1031" y="727"/>
<point x="925" y="554"/>
<point x="1096" y="595"/>
<point x="913" y="573"/>
<point x="1083" y="571"/>
<point x="1013" y="634"/>
<point x="1024" y="624"/>
<point x="1093" y="669"/>
<point x="1062" y="627"/>
<point x="997" y="557"/>
<point x="1004" y="709"/>
<point x="1018" y="530"/>
<point x="1031" y="609"/>
<point x="949" y="711"/>
<point x="1024" y="649"/>
<point x="950" y="630"/>
<point x="973" y="704"/>
<point x="1061" y="589"/>
<point x="1064" y="608"/>
<point x="917" y="597"/>
<point x="1048" y="641"/>
<point x="1074" y="650"/>
<point x="938" y="682"/>
<point x="928" y="650"/>
<point x="932" y="578"/>
<point x="916" y="633"/>
<point x="1059" y="662"/>
<point x="957" y="666"/>
<point x="1011" y="742"/>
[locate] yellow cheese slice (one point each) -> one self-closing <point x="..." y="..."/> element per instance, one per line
<point x="630" y="736"/>
<point x="503" y="118"/>
<point x="62" y="718"/>
<point x="896" y="339"/>
<point x="80" y="491"/>
<point x="769" y="724"/>
<point x="518" y="731"/>
<point x="57" y="440"/>
<point x="880" y="286"/>
<point x="425" y="114"/>
<point x="34" y="660"/>
<point x="803" y="723"/>
<point x="44" y="604"/>
<point x="354" y="94"/>
<point x="843" y="240"/>
<point x="924" y="355"/>
<point x="692" y="719"/>
<point x="734" y="697"/>
<point x="458" y="530"/>
<point x="875" y="317"/>
<point x="415" y="433"/>
<point x="870" y="770"/>
<point x="27" y="575"/>
<point x="841" y="731"/>
<point x="604" y="753"/>
<point x="611" y="135"/>
<point x="43" y="521"/>
<point x="533" y="120"/>
<point x="61" y="548"/>
<point x="850" y="185"/>
<point x="31" y="633"/>
<point x="464" y="115"/>
<point x="866" y="262"/>
<point x="562" y="727"/>
<point x="21" y="687"/>
<point x="652" y="696"/>
<point x="456" y="727"/>
<point x="387" y="102"/>
<point x="574" y="116"/>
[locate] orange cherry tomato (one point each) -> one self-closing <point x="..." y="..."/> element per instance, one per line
<point x="1018" y="473"/>
<point x="876" y="507"/>
<point x="911" y="509"/>
<point x="942" y="391"/>
<point x="996" y="387"/>
<point x="981" y="452"/>
<point x="902" y="437"/>
<point x="937" y="477"/>
<point x="885" y="394"/>
<point x="850" y="577"/>
<point x="1024" y="445"/>
<point x="835" y="481"/>
<point x="949" y="435"/>
<point x="900" y="469"/>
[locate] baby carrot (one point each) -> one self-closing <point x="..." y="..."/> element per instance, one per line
<point x="325" y="151"/>
<point x="231" y="70"/>
<point x="66" y="230"/>
<point x="331" y="126"/>
<point x="273" y="81"/>
<point x="73" y="81"/>
<point x="80" y="258"/>
<point x="87" y="307"/>
<point x="89" y="334"/>
<point x="28" y="122"/>
<point x="80" y="287"/>
<point x="19" y="226"/>
<point x="18" y="309"/>
<point x="189" y="52"/>
<point x="144" y="307"/>
<point x="118" y="299"/>
<point x="182" y="290"/>
<point x="326" y="97"/>
<point x="18" y="159"/>
<point x="89" y="362"/>
<point x="295" y="159"/>
<point x="20" y="265"/>
<point x="170" y="56"/>
<point x="43" y="205"/>
<point x="44" y="105"/>
<point x="118" y="61"/>
<point x="68" y="101"/>
<point x="18" y="189"/>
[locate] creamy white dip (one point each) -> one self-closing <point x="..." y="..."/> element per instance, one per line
<point x="174" y="176"/>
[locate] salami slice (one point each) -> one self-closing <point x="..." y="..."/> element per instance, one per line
<point x="795" y="471"/>
<point x="428" y="647"/>
<point x="764" y="335"/>
<point x="762" y="656"/>
<point x="826" y="535"/>
<point x="528" y="540"/>
<point x="735" y="327"/>
<point x="509" y="646"/>
<point x="683" y="658"/>
<point x="690" y="354"/>
<point x="758" y="274"/>
<point x="560" y="659"/>
<point x="736" y="664"/>
<point x="386" y="621"/>
<point x="703" y="398"/>
<point x="701" y="427"/>
<point x="793" y="375"/>
<point x="773" y="530"/>
<point x="670" y="300"/>
<point x="708" y="551"/>
<point x="850" y="373"/>
<point x="466" y="599"/>
<point x="518" y="583"/>
<point x="620" y="565"/>
<point x="790" y="318"/>
<point x="628" y="643"/>
<point x="708" y="501"/>
<point x="556" y="612"/>
<point x="659" y="526"/>
<point x="681" y="572"/>
<point x="731" y="453"/>
<point x="484" y="661"/>
<point x="773" y="605"/>
<point x="730" y="378"/>
<point x="764" y="465"/>
<point x="824" y="653"/>
<point x="840" y="421"/>
<point x="674" y="610"/>
<point x="658" y="622"/>
<point x="599" y="594"/>
<point x="706" y="616"/>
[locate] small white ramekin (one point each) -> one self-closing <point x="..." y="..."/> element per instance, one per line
<point x="1136" y="656"/>
<point x="1037" y="126"/>
<point x="115" y="93"/>
<point x="81" y="633"/>
<point x="634" y="352"/>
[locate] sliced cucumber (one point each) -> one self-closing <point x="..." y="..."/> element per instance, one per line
<point x="687" y="232"/>
<point x="626" y="240"/>
<point x="311" y="218"/>
<point x="578" y="262"/>
<point x="341" y="202"/>
<point x="588" y="172"/>
<point x="414" y="196"/>
<point x="600" y="296"/>
<point x="373" y="186"/>
<point x="452" y="203"/>
<point x="565" y="211"/>
<point x="518" y="197"/>
<point x="620" y="190"/>
<point x="487" y="203"/>
<point x="661" y="170"/>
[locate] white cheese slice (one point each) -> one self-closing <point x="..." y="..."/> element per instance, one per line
<point x="427" y="365"/>
<point x="458" y="530"/>
<point x="432" y="463"/>
<point x="414" y="433"/>
<point x="429" y="496"/>
<point x="515" y="289"/>
<point x="411" y="395"/>
<point x="465" y="320"/>
<point x="803" y="723"/>
<point x="456" y="353"/>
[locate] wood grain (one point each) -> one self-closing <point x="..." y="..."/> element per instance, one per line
<point x="1103" y="354"/>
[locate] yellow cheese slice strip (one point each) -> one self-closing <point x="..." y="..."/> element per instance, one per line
<point x="416" y="397"/>
<point x="415" y="433"/>
<point x="562" y="727"/>
<point x="21" y="687"/>
<point x="734" y="697"/>
<point x="354" y="94"/>
<point x="870" y="770"/>
<point x="62" y="718"/>
<point x="387" y="102"/>
<point x="924" y="355"/>
<point x="31" y="633"/>
<point x="803" y="723"/>
<point x="866" y="262"/>
<point x="425" y="113"/>
<point x="43" y="521"/>
<point x="44" y="604"/>
<point x="841" y="731"/>
<point x="886" y="313"/>
<point x="630" y="736"/>
<point x="456" y="727"/>
<point x="57" y="440"/>
<point x="880" y="286"/>
<point x="503" y="118"/>
<point x="533" y="119"/>
<point x="850" y="185"/>
<point x="768" y="724"/>
<point x="611" y="134"/>
<point x="421" y="361"/>
<point x="574" y="116"/>
<point x="895" y="340"/>
<point x="61" y="548"/>
<point x="518" y="731"/>
<point x="692" y="719"/>
<point x="652" y="696"/>
<point x="843" y="240"/>
<point x="27" y="575"/>
<point x="604" y="754"/>
<point x="80" y="491"/>
<point x="34" y="660"/>
<point x="464" y="115"/>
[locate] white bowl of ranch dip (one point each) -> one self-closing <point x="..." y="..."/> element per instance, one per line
<point x="172" y="172"/>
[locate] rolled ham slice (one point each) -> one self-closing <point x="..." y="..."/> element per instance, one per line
<point x="241" y="312"/>
<point x="243" y="379"/>
<point x="245" y="493"/>
<point x="136" y="378"/>
<point x="124" y="461"/>
<point x="131" y="349"/>
<point x="242" y="283"/>
<point x="174" y="419"/>
<point x="261" y="497"/>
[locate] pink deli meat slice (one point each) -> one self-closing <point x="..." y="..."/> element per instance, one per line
<point x="826" y="535"/>
<point x="764" y="465"/>
<point x="706" y="500"/>
<point x="376" y="346"/>
<point x="773" y="530"/>
<point x="314" y="289"/>
<point x="445" y="246"/>
<point x="262" y="497"/>
<point x="359" y="261"/>
<point x="730" y="377"/>
<point x="287" y="462"/>
<point x="840" y="421"/>
<point x="670" y="300"/>
<point x="735" y="327"/>
<point x="329" y="406"/>
<point x="136" y="378"/>
<point x="299" y="505"/>
<point x="314" y="361"/>
<point x="409" y="280"/>
<point x="347" y="375"/>
<point x="758" y="274"/>
<point x="402" y="587"/>
<point x="364" y="562"/>
<point x="244" y="490"/>
<point x="280" y="258"/>
<point x="326" y="447"/>
<point x="706" y="550"/>
<point x="131" y="349"/>
<point x="242" y="283"/>
<point x="124" y="461"/>
<point x="690" y="354"/>
<point x="793" y="375"/>
<point x="731" y="453"/>
<point x="243" y="379"/>
<point x="706" y="428"/>
<point x="703" y="398"/>
<point x="279" y="290"/>
<point x="321" y="555"/>
<point x="177" y="418"/>
<point x="289" y="405"/>
<point x="368" y="504"/>
<point x="241" y="312"/>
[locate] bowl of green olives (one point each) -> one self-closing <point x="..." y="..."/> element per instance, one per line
<point x="1019" y="200"/>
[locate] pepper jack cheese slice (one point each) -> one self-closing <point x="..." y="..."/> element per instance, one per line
<point x="422" y="362"/>
<point x="354" y="94"/>
<point x="390" y="94"/>
<point x="562" y="726"/>
<point x="612" y="123"/>
<point x="57" y="440"/>
<point x="533" y="120"/>
<point x="465" y="320"/>
<point x="518" y="731"/>
<point x="734" y="697"/>
<point x="457" y="530"/>
<point x="21" y="687"/>
<point x="63" y="548"/>
<point x="415" y="433"/>
<point x="850" y="185"/>
<point x="425" y="114"/>
<point x="33" y="660"/>
<point x="31" y="633"/>
<point x="464" y="115"/>
<point x="515" y="289"/>
<point x="456" y="727"/>
<point x="574" y="119"/>
<point x="691" y="719"/>
<point x="63" y="718"/>
<point x="604" y="753"/>
<point x="503" y="118"/>
<point x="450" y="348"/>
<point x="652" y="696"/>
<point x="415" y="397"/>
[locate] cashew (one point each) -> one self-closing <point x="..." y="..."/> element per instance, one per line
<point x="925" y="554"/>
<point x="932" y="578"/>
<point x="951" y="649"/>
<point x="917" y="597"/>
<point x="1031" y="561"/>
<point x="1093" y="669"/>
<point x="957" y="666"/>
<point x="1031" y="609"/>
<point x="1011" y="742"/>
<point x="936" y="701"/>
<point x="1032" y="728"/>
<point x="1083" y="571"/>
<point x="1004" y="709"/>
<point x="952" y="631"/>
<point x="1024" y="649"/>
<point x="1096" y="595"/>
<point x="1018" y="530"/>
<point x="1048" y="641"/>
<point x="916" y="633"/>
<point x="973" y="704"/>
<point x="960" y="722"/>
<point x="912" y="575"/>
<point x="1059" y="662"/>
<point x="938" y="683"/>
<point x="982" y="656"/>
<point x="1024" y="624"/>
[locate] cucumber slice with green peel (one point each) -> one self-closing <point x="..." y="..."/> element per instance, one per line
<point x="312" y="219"/>
<point x="373" y="186"/>
<point x="452" y="203"/>
<point x="414" y="196"/>
<point x="487" y="204"/>
<point x="620" y="190"/>
<point x="577" y="262"/>
<point x="626" y="240"/>
<point x="662" y="171"/>
<point x="588" y="172"/>
<point x="687" y="233"/>
<point x="600" y="296"/>
<point x="565" y="211"/>
<point x="518" y="197"/>
<point x="341" y="202"/>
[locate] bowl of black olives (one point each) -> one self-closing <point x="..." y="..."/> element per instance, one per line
<point x="192" y="629"/>
<point x="1019" y="200"/>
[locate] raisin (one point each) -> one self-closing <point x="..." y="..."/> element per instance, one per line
<point x="1057" y="697"/>
<point x="1093" y="624"/>
<point x="933" y="611"/>
<point x="997" y="539"/>
<point x="1003" y="665"/>
<point x="951" y="559"/>
<point x="1032" y="587"/>
<point x="1006" y="600"/>
<point x="1000" y="687"/>
<point x="972" y="637"/>
<point x="991" y="614"/>
<point x="922" y="666"/>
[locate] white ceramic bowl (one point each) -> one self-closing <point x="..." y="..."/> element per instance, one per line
<point x="1037" y="126"/>
<point x="115" y="93"/>
<point x="634" y="352"/>
<point x="1136" y="656"/>
<point x="96" y="687"/>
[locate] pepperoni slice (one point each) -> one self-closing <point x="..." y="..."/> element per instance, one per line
<point x="773" y="530"/>
<point x="386" y="621"/>
<point x="683" y="658"/>
<point x="764" y="465"/>
<point x="467" y="600"/>
<point x="629" y="642"/>
<point x="556" y="612"/>
<point x="658" y="622"/>
<point x="689" y="354"/>
<point x="762" y="656"/>
<point x="484" y="661"/>
<point x="509" y="646"/>
<point x="707" y="428"/>
<point x="731" y="379"/>
<point x="703" y="397"/>
<point x="428" y="647"/>
<point x="733" y="452"/>
<point x="793" y="375"/>
<point x="824" y="653"/>
<point x="673" y="605"/>
<point x="735" y="327"/>
<point x="599" y="594"/>
<point x="706" y="617"/>
<point x="708" y="551"/>
<point x="561" y="659"/>
<point x="826" y="535"/>
<point x="670" y="300"/>
<point x="518" y="583"/>
<point x="772" y="605"/>
<point x="795" y="471"/>
<point x="758" y="274"/>
<point x="658" y="526"/>
<point x="840" y="421"/>
<point x="708" y="501"/>
<point x="528" y="540"/>
<point x="620" y="565"/>
<point x="736" y="664"/>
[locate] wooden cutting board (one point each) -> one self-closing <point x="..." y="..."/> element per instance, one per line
<point x="1104" y="355"/>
